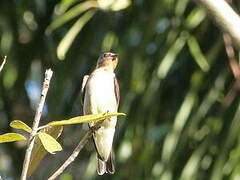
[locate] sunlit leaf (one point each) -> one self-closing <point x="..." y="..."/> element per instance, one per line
<point x="120" y="5"/>
<point x="196" y="52"/>
<point x="72" y="13"/>
<point x="66" y="42"/>
<point x="17" y="124"/>
<point x="170" y="56"/>
<point x="67" y="3"/>
<point x="38" y="152"/>
<point x="85" y="119"/>
<point x="114" y="5"/>
<point x="49" y="143"/>
<point x="196" y="16"/>
<point x="105" y="4"/>
<point x="10" y="137"/>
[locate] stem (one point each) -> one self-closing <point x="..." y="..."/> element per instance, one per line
<point x="48" y="76"/>
<point x="72" y="157"/>
<point x="3" y="63"/>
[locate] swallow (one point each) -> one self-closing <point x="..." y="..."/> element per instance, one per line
<point x="101" y="94"/>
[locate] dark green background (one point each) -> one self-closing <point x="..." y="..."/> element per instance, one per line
<point x="174" y="77"/>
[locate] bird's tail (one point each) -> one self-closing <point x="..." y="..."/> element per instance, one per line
<point x="106" y="166"/>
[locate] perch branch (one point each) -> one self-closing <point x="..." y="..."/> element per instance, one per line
<point x="73" y="156"/>
<point x="225" y="17"/>
<point x="76" y="151"/>
<point x="48" y="76"/>
<point x="3" y="63"/>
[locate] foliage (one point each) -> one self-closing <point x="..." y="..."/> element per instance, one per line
<point x="176" y="84"/>
<point x="39" y="152"/>
<point x="85" y="119"/>
<point x="45" y="139"/>
<point x="10" y="137"/>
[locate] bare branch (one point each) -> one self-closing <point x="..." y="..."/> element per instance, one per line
<point x="3" y="63"/>
<point x="231" y="56"/>
<point x="225" y="17"/>
<point x="48" y="76"/>
<point x="76" y="151"/>
<point x="235" y="69"/>
<point x="73" y="156"/>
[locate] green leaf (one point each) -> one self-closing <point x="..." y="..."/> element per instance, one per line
<point x="38" y="152"/>
<point x="49" y="143"/>
<point x="196" y="16"/>
<point x="170" y="57"/>
<point x="10" y="137"/>
<point x="17" y="124"/>
<point x="197" y="54"/>
<point x="66" y="42"/>
<point x="72" y="13"/>
<point x="86" y="119"/>
<point x="120" y="5"/>
<point x="114" y="5"/>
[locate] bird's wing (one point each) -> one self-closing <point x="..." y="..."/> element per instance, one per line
<point x="117" y="91"/>
<point x="84" y="82"/>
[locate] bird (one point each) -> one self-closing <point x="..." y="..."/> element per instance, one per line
<point x="101" y="94"/>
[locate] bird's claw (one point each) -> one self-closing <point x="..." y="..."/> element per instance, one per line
<point x="96" y="126"/>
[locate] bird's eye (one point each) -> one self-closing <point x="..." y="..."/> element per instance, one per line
<point x="105" y="55"/>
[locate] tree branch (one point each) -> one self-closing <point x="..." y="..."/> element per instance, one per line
<point x="73" y="156"/>
<point x="235" y="69"/>
<point x="3" y="63"/>
<point x="77" y="150"/>
<point x="48" y="76"/>
<point x="225" y="17"/>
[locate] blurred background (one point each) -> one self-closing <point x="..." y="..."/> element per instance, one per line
<point x="178" y="85"/>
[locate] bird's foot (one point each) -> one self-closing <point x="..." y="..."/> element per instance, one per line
<point x="96" y="126"/>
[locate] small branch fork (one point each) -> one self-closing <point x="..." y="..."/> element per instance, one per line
<point x="48" y="76"/>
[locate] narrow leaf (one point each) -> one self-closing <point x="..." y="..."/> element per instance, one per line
<point x="196" y="16"/>
<point x="10" y="137"/>
<point x="171" y="55"/>
<point x="38" y="152"/>
<point x="72" y="13"/>
<point x="66" y="42"/>
<point x="120" y="5"/>
<point x="197" y="54"/>
<point x="49" y="143"/>
<point x="85" y="119"/>
<point x="17" y="124"/>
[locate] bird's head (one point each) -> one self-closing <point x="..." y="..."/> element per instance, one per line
<point x="107" y="60"/>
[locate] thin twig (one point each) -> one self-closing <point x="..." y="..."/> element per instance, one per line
<point x="231" y="56"/>
<point x="72" y="157"/>
<point x="235" y="69"/>
<point x="48" y="76"/>
<point x="77" y="150"/>
<point x="3" y="63"/>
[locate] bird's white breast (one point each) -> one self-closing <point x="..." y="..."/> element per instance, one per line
<point x="100" y="97"/>
<point x="100" y="89"/>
